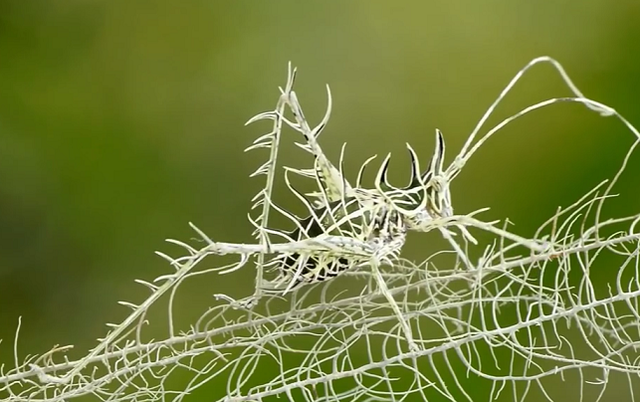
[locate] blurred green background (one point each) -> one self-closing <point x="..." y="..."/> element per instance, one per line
<point x="120" y="122"/>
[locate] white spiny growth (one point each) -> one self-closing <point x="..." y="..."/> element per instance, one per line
<point x="524" y="316"/>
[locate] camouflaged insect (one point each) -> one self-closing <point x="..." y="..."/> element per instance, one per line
<point x="380" y="216"/>
<point x="362" y="224"/>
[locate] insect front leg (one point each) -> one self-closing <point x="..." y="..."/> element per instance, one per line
<point x="331" y="177"/>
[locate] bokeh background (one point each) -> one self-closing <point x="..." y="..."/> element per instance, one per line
<point x="122" y="121"/>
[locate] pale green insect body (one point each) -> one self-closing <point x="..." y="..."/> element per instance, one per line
<point x="379" y="217"/>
